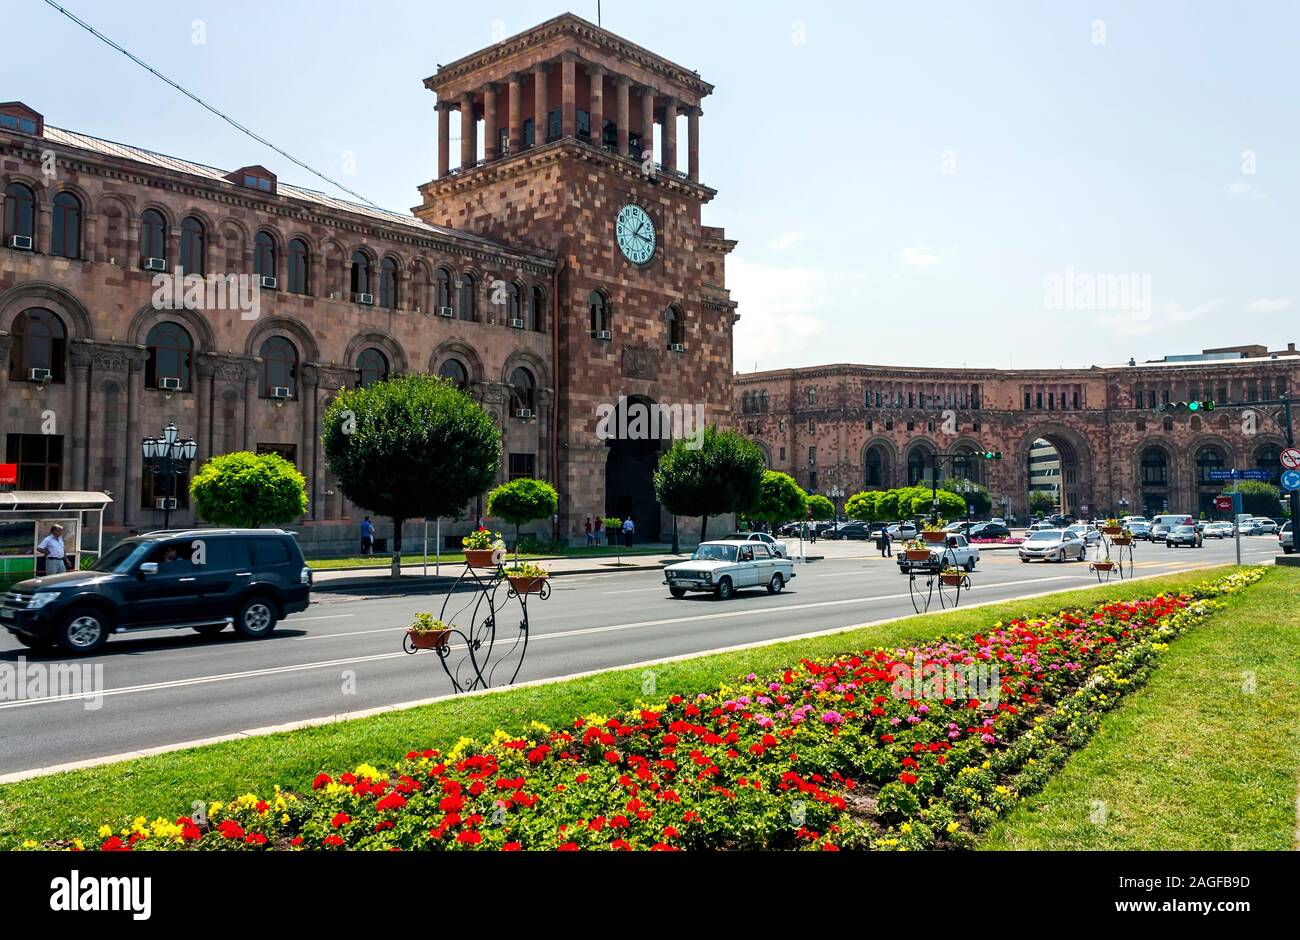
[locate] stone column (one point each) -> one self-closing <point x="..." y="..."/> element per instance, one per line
<point x="491" y="138"/>
<point x="6" y="342"/>
<point x="444" y="139"/>
<point x="647" y="123"/>
<point x="541" y="113"/>
<point x="468" y="145"/>
<point x="623" y="112"/>
<point x="693" y="144"/>
<point x="130" y="493"/>
<point x="597" y="107"/>
<point x="569" y="95"/>
<point x="204" y="410"/>
<point x="670" y="135"/>
<point x="310" y="434"/>
<point x="79" y="419"/>
<point x="250" y="398"/>
<point x="516" y="125"/>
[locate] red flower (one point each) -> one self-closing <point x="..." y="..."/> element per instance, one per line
<point x="340" y="819"/>
<point x="113" y="844"/>
<point x="392" y="801"/>
<point x="450" y="804"/>
<point x="321" y="780"/>
<point x="511" y="847"/>
<point x="470" y="837"/>
<point x="231" y="829"/>
<point x="256" y="838"/>
<point x="332" y="841"/>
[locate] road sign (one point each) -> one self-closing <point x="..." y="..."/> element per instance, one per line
<point x="1224" y="475"/>
<point x="1290" y="458"/>
<point x="1223" y="503"/>
<point x="1291" y="480"/>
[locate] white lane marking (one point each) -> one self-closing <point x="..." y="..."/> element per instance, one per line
<point x="535" y="638"/>
<point x="329" y="617"/>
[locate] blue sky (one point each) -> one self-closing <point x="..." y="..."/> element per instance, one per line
<point x="905" y="179"/>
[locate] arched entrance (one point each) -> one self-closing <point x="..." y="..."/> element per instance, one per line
<point x="1154" y="477"/>
<point x="1057" y="461"/>
<point x="633" y="453"/>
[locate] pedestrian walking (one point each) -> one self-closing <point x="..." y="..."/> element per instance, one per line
<point x="598" y="528"/>
<point x="885" y="540"/>
<point x="53" y="551"/>
<point x="591" y="538"/>
<point x="629" y="529"/>
<point x="367" y="536"/>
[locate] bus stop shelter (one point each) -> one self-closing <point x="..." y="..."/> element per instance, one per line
<point x="26" y="517"/>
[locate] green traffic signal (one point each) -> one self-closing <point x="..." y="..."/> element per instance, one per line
<point x="1193" y="406"/>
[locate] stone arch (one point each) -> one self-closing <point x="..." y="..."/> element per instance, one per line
<point x="530" y="361"/>
<point x="889" y="462"/>
<point x="1199" y="494"/>
<point x="1144" y="491"/>
<point x="458" y="349"/>
<point x="200" y="327"/>
<point x="384" y="342"/>
<point x="916" y="465"/>
<point x="40" y="294"/>
<point x="1078" y="487"/>
<point x="629" y="473"/>
<point x="283" y="326"/>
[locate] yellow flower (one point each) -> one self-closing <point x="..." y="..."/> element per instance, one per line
<point x="214" y="808"/>
<point x="366" y="771"/>
<point x="953" y="827"/>
<point x="29" y="843"/>
<point x="105" y="831"/>
<point x="79" y="845"/>
<point x="905" y="828"/>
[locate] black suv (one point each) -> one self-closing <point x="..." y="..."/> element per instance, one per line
<point x="205" y="579"/>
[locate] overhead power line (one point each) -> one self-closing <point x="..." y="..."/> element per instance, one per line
<point x="193" y="97"/>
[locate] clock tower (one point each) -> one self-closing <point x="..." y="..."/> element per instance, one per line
<point x="569" y="144"/>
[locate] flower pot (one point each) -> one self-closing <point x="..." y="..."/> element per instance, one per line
<point x="527" y="585"/>
<point x="1112" y="529"/>
<point x="479" y="557"/>
<point x="428" y="640"/>
<point x="1122" y="540"/>
<point x="917" y="554"/>
<point x="1103" y="565"/>
<point x="934" y="537"/>
<point x="952" y="580"/>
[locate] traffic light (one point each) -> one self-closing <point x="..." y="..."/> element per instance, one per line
<point x="1191" y="407"/>
<point x="992" y="455"/>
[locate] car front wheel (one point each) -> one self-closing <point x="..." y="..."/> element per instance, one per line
<point x="256" y="617"/>
<point x="84" y="631"/>
<point x="724" y="589"/>
<point x="677" y="592"/>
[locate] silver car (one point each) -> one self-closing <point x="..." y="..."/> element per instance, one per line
<point x="1053" y="545"/>
<point x="1091" y="535"/>
<point x="724" y="567"/>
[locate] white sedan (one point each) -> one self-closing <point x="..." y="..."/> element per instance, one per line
<point x="1053" y="545"/>
<point x="726" y="566"/>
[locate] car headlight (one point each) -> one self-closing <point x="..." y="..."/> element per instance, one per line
<point x="708" y="577"/>
<point x="40" y="599"/>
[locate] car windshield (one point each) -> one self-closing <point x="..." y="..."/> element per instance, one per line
<point x="1045" y="535"/>
<point x="715" y="553"/>
<point x="122" y="556"/>
<point x="1184" y="528"/>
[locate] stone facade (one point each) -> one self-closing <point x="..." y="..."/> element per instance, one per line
<point x="852" y="427"/>
<point x="494" y="273"/>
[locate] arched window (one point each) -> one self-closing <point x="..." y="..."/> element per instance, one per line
<point x="918" y="469"/>
<point x="522" y="397"/>
<point x="599" y="308"/>
<point x="65" y="234"/>
<point x="299" y="266"/>
<point x="373" y="366"/>
<point x="1207" y="459"/>
<point x="747" y="403"/>
<point x="1155" y="467"/>
<point x="39" y="342"/>
<point x="279" y="368"/>
<point x="153" y="236"/>
<point x="360" y="274"/>
<point x="536" y="309"/>
<point x="171" y="353"/>
<point x="963" y="466"/>
<point x="194" y="246"/>
<point x="442" y="281"/>
<point x="453" y="370"/>
<point x="676" y="328"/>
<point x="515" y="306"/>
<point x="1268" y="458"/>
<point x="264" y="255"/>
<point x="875" y="475"/>
<point x="20" y="212"/>
<point x="388" y="284"/>
<point x="762" y="402"/>
<point x="468" y="305"/>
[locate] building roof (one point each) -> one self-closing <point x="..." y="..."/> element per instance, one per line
<point x="217" y="176"/>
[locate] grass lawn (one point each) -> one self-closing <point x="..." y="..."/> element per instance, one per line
<point x="1206" y="756"/>
<point x="458" y="558"/>
<point x="78" y="802"/>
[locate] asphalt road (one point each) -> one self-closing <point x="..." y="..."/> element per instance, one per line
<point x="344" y="654"/>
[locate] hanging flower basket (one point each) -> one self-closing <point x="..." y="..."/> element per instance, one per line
<point x="917" y="554"/>
<point x="1103" y="565"/>
<point x="480" y="557"/>
<point x="1122" y="540"/>
<point x="1112" y="529"/>
<point x="951" y="580"/>
<point x="934" y="536"/>
<point x="427" y="632"/>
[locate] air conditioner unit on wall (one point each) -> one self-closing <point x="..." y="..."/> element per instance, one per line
<point x="603" y="334"/>
<point x="523" y="413"/>
<point x="269" y="282"/>
<point x="153" y="264"/>
<point x="170" y="383"/>
<point x="21" y="242"/>
<point x="280" y="391"/>
<point x="165" y="502"/>
<point x="517" y="324"/>
<point x="39" y="375"/>
<point x="364" y="298"/>
<point x="677" y="347"/>
<point x="446" y="312"/>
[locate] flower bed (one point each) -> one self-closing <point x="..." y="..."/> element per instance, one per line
<point x="910" y="748"/>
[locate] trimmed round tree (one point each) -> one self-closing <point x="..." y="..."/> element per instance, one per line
<point x="863" y="506"/>
<point x="723" y="474"/>
<point x="411" y="447"/>
<point x="780" y="499"/>
<point x="245" y="490"/>
<point x="522" y="501"/>
<point x="820" y="507"/>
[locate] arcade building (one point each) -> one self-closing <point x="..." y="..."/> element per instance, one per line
<point x="1095" y="438"/>
<point x="556" y="263"/>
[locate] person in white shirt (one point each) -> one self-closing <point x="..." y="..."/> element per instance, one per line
<point x="52" y="550"/>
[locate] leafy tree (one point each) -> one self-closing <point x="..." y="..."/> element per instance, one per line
<point x="412" y="446"/>
<point x="1260" y="499"/>
<point x="724" y="474"/>
<point x="887" y="506"/>
<point x="522" y="500"/>
<point x="1040" y="501"/>
<point x="246" y="490"/>
<point x="780" y="499"/>
<point x="865" y="507"/>
<point x="819" y="507"/>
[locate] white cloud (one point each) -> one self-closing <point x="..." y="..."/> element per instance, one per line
<point x="787" y="240"/>
<point x="1269" y="304"/>
<point x="919" y="257"/>
<point x="1162" y="317"/>
<point x="782" y="311"/>
<point x="1241" y="189"/>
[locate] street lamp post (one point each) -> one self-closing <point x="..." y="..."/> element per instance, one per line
<point x="168" y="456"/>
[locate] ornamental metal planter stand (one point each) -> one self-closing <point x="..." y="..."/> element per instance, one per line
<point x="947" y="587"/>
<point x="1119" y="549"/>
<point x="473" y="656"/>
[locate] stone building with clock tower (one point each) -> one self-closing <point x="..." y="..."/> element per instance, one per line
<point x="575" y="141"/>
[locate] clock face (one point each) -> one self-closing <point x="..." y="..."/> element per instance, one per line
<point x="635" y="232"/>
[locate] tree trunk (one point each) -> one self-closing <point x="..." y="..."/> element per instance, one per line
<point x="704" y="528"/>
<point x="397" y="547"/>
